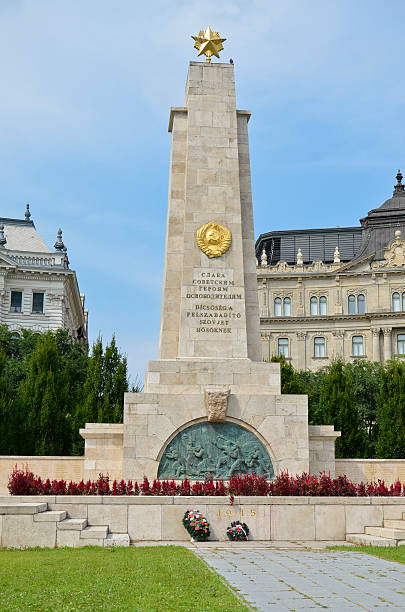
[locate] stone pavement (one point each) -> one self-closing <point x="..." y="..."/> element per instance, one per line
<point x="294" y="579"/>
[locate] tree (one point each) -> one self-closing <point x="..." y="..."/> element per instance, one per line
<point x="290" y="382"/>
<point x="45" y="399"/>
<point x="391" y="412"/>
<point x="102" y="397"/>
<point x="338" y="407"/>
<point x="366" y="381"/>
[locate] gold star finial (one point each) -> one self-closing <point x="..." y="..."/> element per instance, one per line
<point x="208" y="43"/>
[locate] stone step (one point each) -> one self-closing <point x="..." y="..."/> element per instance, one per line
<point x="23" y="508"/>
<point x="76" y="524"/>
<point x="369" y="540"/>
<point x="94" y="531"/>
<point x="116" y="539"/>
<point x="53" y="516"/>
<point x="394" y="524"/>
<point x="386" y="532"/>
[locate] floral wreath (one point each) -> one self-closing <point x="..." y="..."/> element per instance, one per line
<point x="197" y="525"/>
<point x="238" y="531"/>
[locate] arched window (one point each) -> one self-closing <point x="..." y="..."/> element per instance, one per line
<point x="319" y="347"/>
<point x="322" y="305"/>
<point x="313" y="305"/>
<point x="361" y="304"/>
<point x="277" y="307"/>
<point x="396" y="307"/>
<point x="287" y="307"/>
<point x="351" y="302"/>
<point x="357" y="346"/>
<point x="283" y="347"/>
<point x="401" y="344"/>
<point x="403" y="301"/>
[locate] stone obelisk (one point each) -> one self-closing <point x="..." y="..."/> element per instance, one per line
<point x="210" y="304"/>
<point x="211" y="405"/>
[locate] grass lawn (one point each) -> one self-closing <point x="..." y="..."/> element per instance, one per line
<point x="158" y="578"/>
<point x="394" y="553"/>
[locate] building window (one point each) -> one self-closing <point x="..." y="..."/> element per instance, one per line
<point x="319" y="347"/>
<point x="283" y="347"/>
<point x="351" y="300"/>
<point x="322" y="305"/>
<point x="38" y="303"/>
<point x="287" y="307"/>
<point x="403" y="301"/>
<point x="313" y="302"/>
<point x="401" y="344"/>
<point x="395" y="302"/>
<point x="361" y="304"/>
<point x="277" y="307"/>
<point x="16" y="301"/>
<point x="357" y="346"/>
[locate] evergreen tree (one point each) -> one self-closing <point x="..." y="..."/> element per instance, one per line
<point x="102" y="398"/>
<point x="366" y="381"/>
<point x="338" y="408"/>
<point x="115" y="381"/>
<point x="391" y="412"/>
<point x="290" y="382"/>
<point x="45" y="398"/>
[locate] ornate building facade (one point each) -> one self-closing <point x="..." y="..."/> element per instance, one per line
<point x="38" y="290"/>
<point x="335" y="292"/>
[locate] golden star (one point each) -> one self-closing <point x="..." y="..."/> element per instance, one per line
<point x="208" y="43"/>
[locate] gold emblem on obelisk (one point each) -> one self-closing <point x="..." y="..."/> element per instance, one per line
<point x="213" y="239"/>
<point x="208" y="43"/>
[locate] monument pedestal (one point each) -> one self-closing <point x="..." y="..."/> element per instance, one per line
<point x="154" y="419"/>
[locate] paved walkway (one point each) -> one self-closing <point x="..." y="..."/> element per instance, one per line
<point x="272" y="579"/>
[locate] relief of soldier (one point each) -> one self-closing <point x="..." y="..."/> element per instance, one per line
<point x="219" y="449"/>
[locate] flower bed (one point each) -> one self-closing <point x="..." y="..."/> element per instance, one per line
<point x="23" y="482"/>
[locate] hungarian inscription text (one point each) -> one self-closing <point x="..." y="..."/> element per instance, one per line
<point x="214" y="303"/>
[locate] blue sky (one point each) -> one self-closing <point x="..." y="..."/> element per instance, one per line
<point x="85" y="92"/>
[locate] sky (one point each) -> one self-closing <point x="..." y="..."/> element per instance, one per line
<point x="85" y="93"/>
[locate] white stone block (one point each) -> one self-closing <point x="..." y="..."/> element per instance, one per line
<point x="145" y="525"/>
<point x="359" y="517"/>
<point x="292" y="522"/>
<point x="114" y="515"/>
<point x="20" y="531"/>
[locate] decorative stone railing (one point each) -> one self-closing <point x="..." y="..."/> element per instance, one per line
<point x="26" y="260"/>
<point x="282" y="267"/>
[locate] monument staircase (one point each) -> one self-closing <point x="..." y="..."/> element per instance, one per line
<point x="74" y="532"/>
<point x="392" y="533"/>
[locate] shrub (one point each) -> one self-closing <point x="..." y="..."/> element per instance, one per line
<point x="23" y="482"/>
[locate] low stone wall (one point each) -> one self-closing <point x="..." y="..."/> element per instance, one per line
<point x="268" y="518"/>
<point x="365" y="470"/>
<point x="66" y="468"/>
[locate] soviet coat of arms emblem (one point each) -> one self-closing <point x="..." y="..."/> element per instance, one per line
<point x="213" y="239"/>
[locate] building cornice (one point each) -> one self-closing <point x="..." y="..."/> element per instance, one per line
<point x="369" y="317"/>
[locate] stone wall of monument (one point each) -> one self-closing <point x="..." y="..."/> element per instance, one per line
<point x="58" y="468"/>
<point x="365" y="470"/>
<point x="160" y="518"/>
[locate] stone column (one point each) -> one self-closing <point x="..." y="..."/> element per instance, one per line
<point x="301" y="363"/>
<point x="338" y="336"/>
<point x="376" y="343"/>
<point x="265" y="343"/>
<point x="210" y="304"/>
<point x="387" y="331"/>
